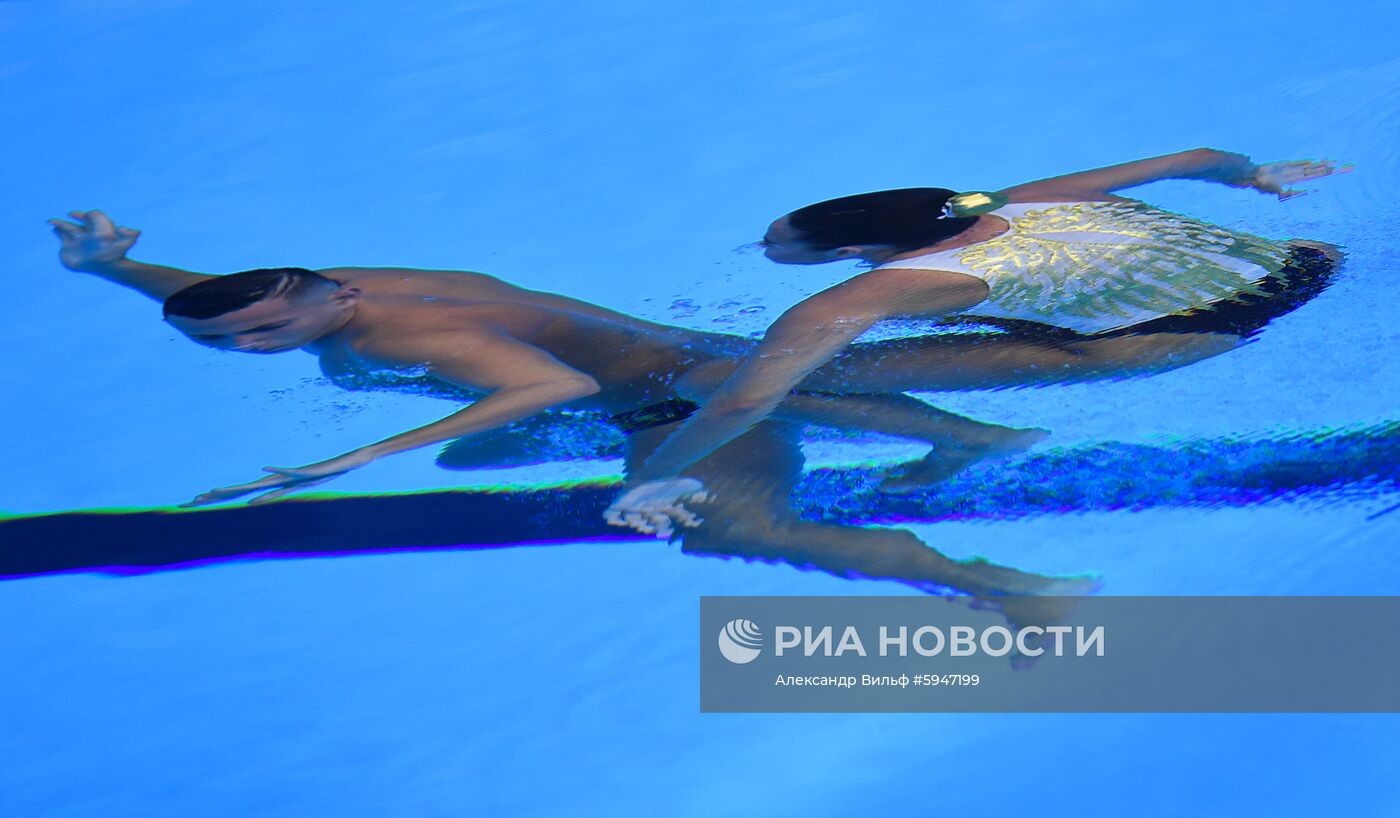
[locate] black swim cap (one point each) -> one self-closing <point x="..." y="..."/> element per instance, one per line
<point x="904" y="219"/>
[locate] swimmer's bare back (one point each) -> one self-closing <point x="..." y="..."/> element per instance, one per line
<point x="396" y="327"/>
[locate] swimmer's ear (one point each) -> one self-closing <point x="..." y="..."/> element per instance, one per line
<point x="345" y="296"/>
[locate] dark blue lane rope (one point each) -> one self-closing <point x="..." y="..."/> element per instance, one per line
<point x="1341" y="466"/>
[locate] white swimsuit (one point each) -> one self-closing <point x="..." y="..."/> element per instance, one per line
<point x="1096" y="266"/>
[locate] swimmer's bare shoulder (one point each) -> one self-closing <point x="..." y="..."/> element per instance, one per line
<point x="407" y="315"/>
<point x="473" y="286"/>
<point x="423" y="283"/>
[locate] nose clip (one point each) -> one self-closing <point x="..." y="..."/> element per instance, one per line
<point x="750" y="247"/>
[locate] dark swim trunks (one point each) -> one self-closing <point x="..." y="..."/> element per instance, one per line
<point x="657" y="414"/>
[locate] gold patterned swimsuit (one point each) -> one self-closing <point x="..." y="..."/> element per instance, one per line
<point x="1097" y="266"/>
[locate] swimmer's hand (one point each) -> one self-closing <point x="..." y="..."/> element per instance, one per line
<point x="283" y="481"/>
<point x="1276" y="177"/>
<point x="657" y="507"/>
<point x="91" y="241"/>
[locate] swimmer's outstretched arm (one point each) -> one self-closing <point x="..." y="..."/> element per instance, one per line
<point x="93" y="244"/>
<point x="521" y="380"/>
<point x="1204" y="164"/>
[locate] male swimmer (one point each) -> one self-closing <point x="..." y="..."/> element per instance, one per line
<point x="526" y="351"/>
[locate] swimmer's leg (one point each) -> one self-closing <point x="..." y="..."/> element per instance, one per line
<point x="959" y="362"/>
<point x="893" y="413"/>
<point x="955" y="362"/>
<point x="852" y="552"/>
<point x="958" y="441"/>
<point x="750" y="480"/>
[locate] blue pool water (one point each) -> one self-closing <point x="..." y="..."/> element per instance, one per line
<point x="617" y="152"/>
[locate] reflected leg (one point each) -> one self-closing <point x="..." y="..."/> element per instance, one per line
<point x="891" y="413"/>
<point x="750" y="480"/>
<point x="958" y="441"/>
<point x="957" y="362"/>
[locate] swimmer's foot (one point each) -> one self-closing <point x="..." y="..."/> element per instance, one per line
<point x="1054" y="603"/>
<point x="946" y="461"/>
<point x="1050" y="606"/>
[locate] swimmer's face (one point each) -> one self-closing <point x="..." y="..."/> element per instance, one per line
<point x="784" y="245"/>
<point x="273" y="324"/>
